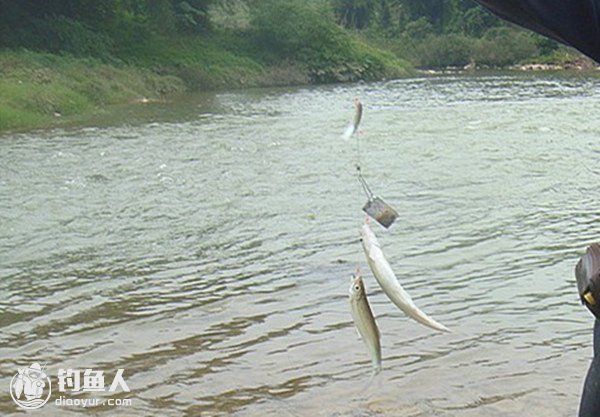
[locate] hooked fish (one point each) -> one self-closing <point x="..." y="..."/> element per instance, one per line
<point x="353" y="127"/>
<point x="389" y="283"/>
<point x="364" y="320"/>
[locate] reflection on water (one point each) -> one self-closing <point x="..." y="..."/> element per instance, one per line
<point x="208" y="252"/>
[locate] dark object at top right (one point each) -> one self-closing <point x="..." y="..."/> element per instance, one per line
<point x="587" y="273"/>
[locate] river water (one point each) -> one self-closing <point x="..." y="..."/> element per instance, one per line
<point x="205" y="247"/>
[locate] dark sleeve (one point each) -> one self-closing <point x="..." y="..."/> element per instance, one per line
<point x="589" y="405"/>
<point x="572" y="22"/>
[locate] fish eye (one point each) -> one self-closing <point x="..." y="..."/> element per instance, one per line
<point x="360" y="239"/>
<point x="356" y="288"/>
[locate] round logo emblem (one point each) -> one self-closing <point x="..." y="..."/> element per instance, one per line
<point x="30" y="388"/>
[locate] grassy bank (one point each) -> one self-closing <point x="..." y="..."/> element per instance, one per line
<point x="66" y="59"/>
<point x="75" y="68"/>
<point x="41" y="89"/>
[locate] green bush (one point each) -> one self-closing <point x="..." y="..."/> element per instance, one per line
<point x="445" y="51"/>
<point x="39" y="89"/>
<point x="63" y="35"/>
<point x="419" y="29"/>
<point x="504" y="46"/>
<point x="307" y="33"/>
<point x="476" y="21"/>
<point x="292" y="27"/>
<point x="499" y="47"/>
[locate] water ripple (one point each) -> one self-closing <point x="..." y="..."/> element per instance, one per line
<point x="209" y="252"/>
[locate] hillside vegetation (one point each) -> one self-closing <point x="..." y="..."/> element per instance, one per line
<point x="69" y="57"/>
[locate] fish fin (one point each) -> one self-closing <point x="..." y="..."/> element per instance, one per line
<point x="358" y="333"/>
<point x="348" y="132"/>
<point x="370" y="258"/>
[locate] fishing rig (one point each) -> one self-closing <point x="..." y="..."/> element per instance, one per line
<point x="375" y="207"/>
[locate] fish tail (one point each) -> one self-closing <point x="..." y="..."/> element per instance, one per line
<point x="376" y="368"/>
<point x="376" y="361"/>
<point x="419" y="316"/>
<point x="373" y="378"/>
<point x="349" y="131"/>
<point x="429" y="322"/>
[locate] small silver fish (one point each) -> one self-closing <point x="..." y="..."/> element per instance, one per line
<point x="389" y="283"/>
<point x="357" y="113"/>
<point x="353" y="127"/>
<point x="364" y="320"/>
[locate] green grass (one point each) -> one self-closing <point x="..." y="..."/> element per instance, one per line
<point x="40" y="89"/>
<point x="330" y="53"/>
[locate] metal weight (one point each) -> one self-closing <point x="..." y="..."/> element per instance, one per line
<point x="380" y="211"/>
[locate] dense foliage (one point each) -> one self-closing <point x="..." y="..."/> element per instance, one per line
<point x="440" y="33"/>
<point x="63" y="58"/>
<point x="394" y="16"/>
<point x="96" y="28"/>
<point x="311" y="38"/>
<point x="69" y="57"/>
<point x="316" y="33"/>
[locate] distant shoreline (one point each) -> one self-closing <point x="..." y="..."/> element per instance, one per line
<point x="578" y="64"/>
<point x="62" y="64"/>
<point x="50" y="91"/>
<point x="45" y="90"/>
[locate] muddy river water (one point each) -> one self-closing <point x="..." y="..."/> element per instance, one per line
<point x="205" y="248"/>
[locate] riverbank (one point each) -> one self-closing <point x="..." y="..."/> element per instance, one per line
<point x="43" y="90"/>
<point x="40" y="89"/>
<point x="572" y="61"/>
<point x="66" y="63"/>
<point x="82" y="64"/>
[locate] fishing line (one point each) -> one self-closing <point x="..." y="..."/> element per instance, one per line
<point x="361" y="179"/>
<point x="375" y="376"/>
<point x="364" y="184"/>
<point x="375" y="207"/>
